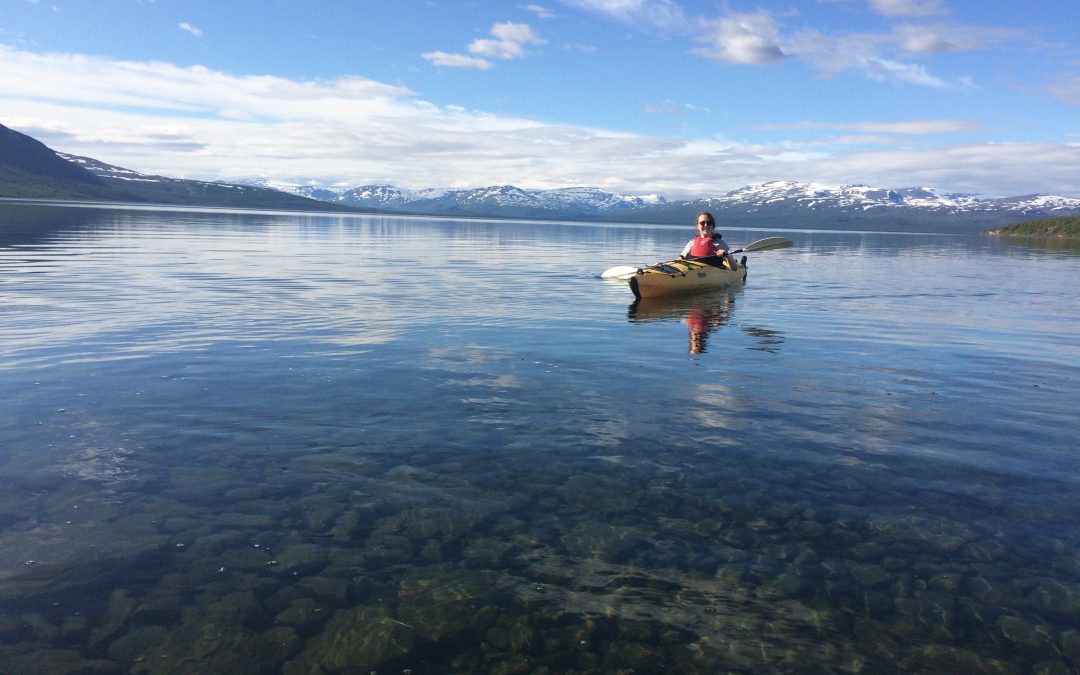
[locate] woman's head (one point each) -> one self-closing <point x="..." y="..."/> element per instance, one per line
<point x="705" y="222"/>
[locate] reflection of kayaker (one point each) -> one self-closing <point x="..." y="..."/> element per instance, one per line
<point x="703" y="320"/>
<point x="702" y="313"/>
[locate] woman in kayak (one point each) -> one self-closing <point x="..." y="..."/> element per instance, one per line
<point x="709" y="242"/>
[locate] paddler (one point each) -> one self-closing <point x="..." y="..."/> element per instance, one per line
<point x="709" y="242"/>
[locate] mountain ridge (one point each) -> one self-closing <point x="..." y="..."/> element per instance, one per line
<point x="32" y="170"/>
<point x="29" y="169"/>
<point x="763" y="202"/>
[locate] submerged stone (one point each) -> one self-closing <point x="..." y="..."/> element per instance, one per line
<point x="56" y="662"/>
<point x="355" y="640"/>
<point x="444" y="605"/>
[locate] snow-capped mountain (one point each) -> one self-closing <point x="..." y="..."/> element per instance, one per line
<point x="863" y="197"/>
<point x="308" y="191"/>
<point x="917" y="208"/>
<point x="504" y="200"/>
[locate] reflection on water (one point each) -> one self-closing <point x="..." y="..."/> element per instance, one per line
<point x="703" y="314"/>
<point x="252" y="443"/>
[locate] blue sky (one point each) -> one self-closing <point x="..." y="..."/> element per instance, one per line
<point x="634" y="96"/>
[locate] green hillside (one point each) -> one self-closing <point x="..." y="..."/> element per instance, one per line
<point x="1062" y="227"/>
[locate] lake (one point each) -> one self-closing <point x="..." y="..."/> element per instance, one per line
<point x="245" y="442"/>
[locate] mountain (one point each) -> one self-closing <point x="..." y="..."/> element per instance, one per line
<point x="772" y="204"/>
<point x="495" y="201"/>
<point x="30" y="169"/>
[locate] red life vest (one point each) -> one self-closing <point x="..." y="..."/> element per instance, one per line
<point x="705" y="246"/>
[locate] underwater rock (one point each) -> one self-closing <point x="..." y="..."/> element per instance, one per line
<point x="995" y="592"/>
<point x="56" y="662"/>
<point x="486" y="552"/>
<point x="1054" y="595"/>
<point x="807" y="529"/>
<point x="940" y="534"/>
<point x="633" y="657"/>
<point x="72" y="628"/>
<point x="249" y="522"/>
<point x="157" y="609"/>
<point x="320" y="514"/>
<point x="946" y="659"/>
<point x="443" y="605"/>
<point x="301" y="559"/>
<point x="925" y="616"/>
<point x="1026" y="632"/>
<point x="237" y="609"/>
<point x="871" y="576"/>
<point x="37" y="625"/>
<point x="739" y="537"/>
<point x="593" y="539"/>
<point x="511" y="636"/>
<point x="214" y="543"/>
<point x="114" y="619"/>
<point x="354" y="640"/>
<point x="245" y="558"/>
<point x="347" y="525"/>
<point x="515" y="663"/>
<point x="1070" y="647"/>
<point x="130" y="648"/>
<point x="332" y="590"/>
<point x="302" y="615"/>
<point x="199" y="647"/>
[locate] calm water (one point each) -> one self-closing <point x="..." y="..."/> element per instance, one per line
<point x="248" y="443"/>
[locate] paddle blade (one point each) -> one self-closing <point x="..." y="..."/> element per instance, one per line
<point x="768" y="244"/>
<point x="617" y="272"/>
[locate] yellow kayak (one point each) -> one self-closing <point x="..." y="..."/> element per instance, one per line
<point x="688" y="276"/>
<point x="682" y="276"/>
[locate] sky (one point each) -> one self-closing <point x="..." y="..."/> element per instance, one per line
<point x="639" y="97"/>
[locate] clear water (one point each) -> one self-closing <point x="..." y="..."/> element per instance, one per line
<point x="272" y="442"/>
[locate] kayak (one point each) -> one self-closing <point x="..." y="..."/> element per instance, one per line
<point x="688" y="276"/>
<point x="683" y="276"/>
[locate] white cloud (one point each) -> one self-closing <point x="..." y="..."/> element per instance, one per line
<point x="664" y="14"/>
<point x="185" y="26"/>
<point x="510" y="40"/>
<point x="509" y="43"/>
<point x="743" y="38"/>
<point x="934" y="39"/>
<point x="200" y="123"/>
<point x="888" y="70"/>
<point x="868" y="54"/>
<point x="907" y="7"/>
<point x="457" y="61"/>
<point x="540" y="11"/>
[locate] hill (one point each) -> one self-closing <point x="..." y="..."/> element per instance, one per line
<point x="1063" y="227"/>
<point x="31" y="170"/>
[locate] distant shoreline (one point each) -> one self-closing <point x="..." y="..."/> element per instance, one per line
<point x="1063" y="227"/>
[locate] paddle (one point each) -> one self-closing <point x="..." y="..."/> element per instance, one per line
<point x="766" y="244"/>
